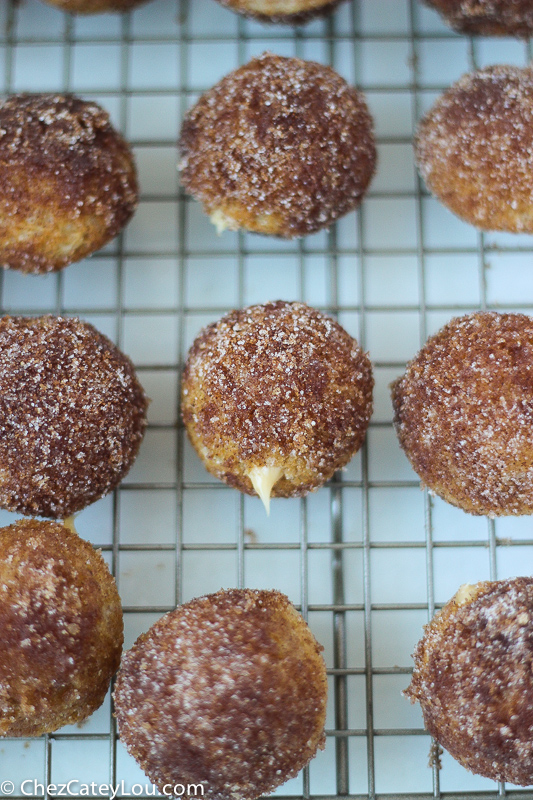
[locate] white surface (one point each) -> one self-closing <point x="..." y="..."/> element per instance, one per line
<point x="155" y="287"/>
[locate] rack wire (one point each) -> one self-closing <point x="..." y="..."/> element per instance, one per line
<point x="368" y="558"/>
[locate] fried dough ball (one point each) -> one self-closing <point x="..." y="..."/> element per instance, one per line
<point x="288" y="12"/>
<point x="276" y="398"/>
<point x="475" y="149"/>
<point x="72" y="415"/>
<point x="463" y="412"/>
<point x="94" y="6"/>
<point x="487" y="17"/>
<point x="61" y="624"/>
<point x="473" y="678"/>
<point x="68" y="181"/>
<point x="228" y="691"/>
<point x="280" y="146"/>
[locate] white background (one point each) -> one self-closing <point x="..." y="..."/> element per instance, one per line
<point x="392" y="273"/>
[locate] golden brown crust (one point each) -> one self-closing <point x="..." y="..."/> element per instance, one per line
<point x="473" y="678"/>
<point x="280" y="146"/>
<point x="94" y="6"/>
<point x="487" y="17"/>
<point x="464" y="413"/>
<point x="279" y="384"/>
<point x="72" y="415"/>
<point x="61" y="624"/>
<point x="228" y="690"/>
<point x="286" y="12"/>
<point x="475" y="148"/>
<point x="68" y="181"/>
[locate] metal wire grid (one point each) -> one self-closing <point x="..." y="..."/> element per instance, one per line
<point x="346" y="545"/>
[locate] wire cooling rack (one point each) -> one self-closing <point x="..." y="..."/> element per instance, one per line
<point x="368" y="558"/>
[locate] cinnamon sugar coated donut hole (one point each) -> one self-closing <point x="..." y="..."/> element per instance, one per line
<point x="61" y="624"/>
<point x="473" y="678"/>
<point x="475" y="149"/>
<point x="94" y="6"/>
<point x="72" y="415"/>
<point x="68" y="181"/>
<point x="279" y="146"/>
<point x="463" y="412"/>
<point x="228" y="691"/>
<point x="276" y="398"/>
<point x="288" y="12"/>
<point x="487" y="17"/>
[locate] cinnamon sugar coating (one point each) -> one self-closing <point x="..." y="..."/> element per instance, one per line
<point x="487" y="17"/>
<point x="475" y="148"/>
<point x="72" y="415"/>
<point x="94" y="6"/>
<point x="276" y="385"/>
<point x="464" y="413"/>
<point x="473" y="678"/>
<point x="279" y="146"/>
<point x="229" y="690"/>
<point x="68" y="181"/>
<point x="287" y="12"/>
<point x="61" y="624"/>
